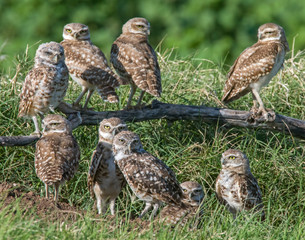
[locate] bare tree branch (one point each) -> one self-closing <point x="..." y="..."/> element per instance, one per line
<point x="173" y="112"/>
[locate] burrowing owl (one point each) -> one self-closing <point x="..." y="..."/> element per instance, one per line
<point x="46" y="84"/>
<point x="149" y="178"/>
<point x="57" y="153"/>
<point x="105" y="180"/>
<point x="192" y="198"/>
<point x="87" y="64"/>
<point x="236" y="187"/>
<point x="256" y="66"/>
<point x="135" y="60"/>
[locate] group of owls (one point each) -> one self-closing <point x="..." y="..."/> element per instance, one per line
<point x="119" y="156"/>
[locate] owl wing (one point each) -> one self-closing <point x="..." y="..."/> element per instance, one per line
<point x="46" y="161"/>
<point x="29" y="90"/>
<point x="149" y="174"/>
<point x="96" y="157"/>
<point x="139" y="63"/>
<point x="252" y="64"/>
<point x="250" y="193"/>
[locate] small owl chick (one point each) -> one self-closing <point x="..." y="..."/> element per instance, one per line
<point x="149" y="178"/>
<point x="236" y="187"/>
<point x="135" y="60"/>
<point x="88" y="65"/>
<point x="105" y="179"/>
<point x="57" y="153"/>
<point x="256" y="66"/>
<point x="192" y="198"/>
<point x="46" y="83"/>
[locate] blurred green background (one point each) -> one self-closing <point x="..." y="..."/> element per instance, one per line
<point x="212" y="29"/>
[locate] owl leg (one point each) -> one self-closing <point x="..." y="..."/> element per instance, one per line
<point x="37" y="131"/>
<point x="112" y="206"/>
<point x="47" y="190"/>
<point x="88" y="97"/>
<point x="140" y="99"/>
<point x="99" y="204"/>
<point x="154" y="211"/>
<point x="56" y="190"/>
<point x="133" y="89"/>
<point x="268" y="116"/>
<point x="76" y="103"/>
<point x="146" y="209"/>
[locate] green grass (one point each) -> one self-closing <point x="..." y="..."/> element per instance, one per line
<point x="191" y="148"/>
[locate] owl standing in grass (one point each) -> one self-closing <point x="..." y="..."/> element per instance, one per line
<point x="236" y="187"/>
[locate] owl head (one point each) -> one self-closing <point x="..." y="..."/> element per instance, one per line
<point x="50" y="53"/>
<point x="192" y="193"/>
<point x="109" y="127"/>
<point x="137" y="25"/>
<point x="55" y="123"/>
<point x="76" y="31"/>
<point x="235" y="160"/>
<point x="272" y="31"/>
<point x="125" y="144"/>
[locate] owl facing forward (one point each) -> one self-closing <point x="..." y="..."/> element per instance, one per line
<point x="105" y="179"/>
<point x="135" y="60"/>
<point x="236" y="187"/>
<point x="57" y="153"/>
<point x="88" y="65"/>
<point x="192" y="198"/>
<point x="46" y="83"/>
<point x="149" y="178"/>
<point x="256" y="66"/>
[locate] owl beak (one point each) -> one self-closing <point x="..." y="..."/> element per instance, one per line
<point x="148" y="31"/>
<point x="223" y="161"/>
<point x="56" y="58"/>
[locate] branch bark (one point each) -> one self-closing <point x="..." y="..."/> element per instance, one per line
<point x="173" y="112"/>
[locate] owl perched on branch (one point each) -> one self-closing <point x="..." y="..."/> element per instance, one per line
<point x="256" y="66"/>
<point x="46" y="83"/>
<point x="135" y="60"/>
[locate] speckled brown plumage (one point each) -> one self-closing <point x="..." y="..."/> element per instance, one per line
<point x="190" y="211"/>
<point x="236" y="187"/>
<point x="46" y="83"/>
<point x="87" y="64"/>
<point x="257" y="65"/>
<point x="149" y="178"/>
<point x="105" y="180"/>
<point x="57" y="153"/>
<point x="135" y="60"/>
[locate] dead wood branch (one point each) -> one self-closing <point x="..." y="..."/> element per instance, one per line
<point x="173" y="112"/>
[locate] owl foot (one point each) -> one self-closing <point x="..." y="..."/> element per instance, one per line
<point x="261" y="115"/>
<point x="37" y="134"/>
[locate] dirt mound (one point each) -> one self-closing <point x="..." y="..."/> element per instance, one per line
<point x="32" y="204"/>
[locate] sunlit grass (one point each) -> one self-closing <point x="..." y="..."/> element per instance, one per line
<point x="191" y="148"/>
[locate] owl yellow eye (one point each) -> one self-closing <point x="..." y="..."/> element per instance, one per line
<point x="106" y="127"/>
<point x="121" y="140"/>
<point x="83" y="31"/>
<point x="232" y="157"/>
<point x="184" y="190"/>
<point x="140" y="26"/>
<point x="68" y="30"/>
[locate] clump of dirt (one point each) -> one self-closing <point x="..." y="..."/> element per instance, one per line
<point x="35" y="205"/>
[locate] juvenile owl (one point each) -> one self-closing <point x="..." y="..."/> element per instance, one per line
<point x="57" y="153"/>
<point x="105" y="179"/>
<point x="256" y="66"/>
<point x="46" y="83"/>
<point x="150" y="179"/>
<point x="88" y="65"/>
<point x="135" y="60"/>
<point x="192" y="198"/>
<point x="236" y="187"/>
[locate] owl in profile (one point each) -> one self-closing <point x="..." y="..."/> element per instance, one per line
<point x="149" y="178"/>
<point x="105" y="179"/>
<point x="192" y="199"/>
<point x="46" y="83"/>
<point x="135" y="60"/>
<point x="256" y="66"/>
<point x="88" y="65"/>
<point x="236" y="187"/>
<point x="57" y="153"/>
